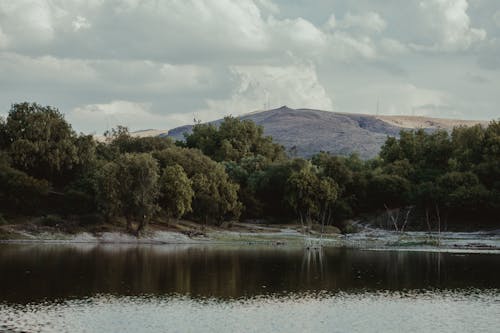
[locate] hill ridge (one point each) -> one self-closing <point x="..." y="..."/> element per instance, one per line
<point x="309" y="131"/>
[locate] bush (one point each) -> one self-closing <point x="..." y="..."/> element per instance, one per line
<point x="348" y="227"/>
<point x="52" y="220"/>
<point x="90" y="219"/>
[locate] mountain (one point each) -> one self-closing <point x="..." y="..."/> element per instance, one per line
<point x="306" y="132"/>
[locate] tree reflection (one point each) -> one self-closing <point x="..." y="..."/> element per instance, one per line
<point x="39" y="272"/>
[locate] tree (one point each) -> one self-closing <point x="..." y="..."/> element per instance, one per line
<point x="176" y="193"/>
<point x="301" y="194"/>
<point x="388" y="191"/>
<point x="334" y="167"/>
<point x="270" y="188"/>
<point x="20" y="192"/>
<point x="129" y="188"/>
<point x="109" y="191"/>
<point x="326" y="196"/>
<point x="233" y="140"/>
<point x="462" y="191"/>
<point x="215" y="195"/>
<point x="139" y="183"/>
<point x="245" y="173"/>
<point x="42" y="144"/>
<point x="121" y="141"/>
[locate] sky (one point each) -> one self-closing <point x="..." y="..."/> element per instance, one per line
<point x="160" y="64"/>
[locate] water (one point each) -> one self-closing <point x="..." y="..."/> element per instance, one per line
<point x="58" y="288"/>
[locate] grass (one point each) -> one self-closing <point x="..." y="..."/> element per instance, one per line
<point x="6" y="234"/>
<point x="412" y="242"/>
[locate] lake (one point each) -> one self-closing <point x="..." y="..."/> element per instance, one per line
<point x="117" y="288"/>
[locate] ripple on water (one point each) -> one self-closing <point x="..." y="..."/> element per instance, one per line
<point x="411" y="311"/>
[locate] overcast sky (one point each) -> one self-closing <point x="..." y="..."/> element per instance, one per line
<point x="159" y="64"/>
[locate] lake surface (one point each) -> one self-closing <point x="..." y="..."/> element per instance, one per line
<point x="113" y="288"/>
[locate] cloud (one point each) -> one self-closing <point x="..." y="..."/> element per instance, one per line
<point x="38" y="27"/>
<point x="297" y="34"/>
<point x="489" y="58"/>
<point x="448" y="25"/>
<point x="268" y="6"/>
<point x="35" y="70"/>
<point x="213" y="58"/>
<point x="351" y="38"/>
<point x="395" y="98"/>
<point x="391" y="46"/>
<point x="413" y="100"/>
<point x="27" y="24"/>
<point x="111" y="75"/>
<point x="80" y="23"/>
<point x="475" y="78"/>
<point x="496" y="18"/>
<point x="369" y="22"/>
<point x="3" y="39"/>
<point x="97" y="118"/>
<point x="264" y="87"/>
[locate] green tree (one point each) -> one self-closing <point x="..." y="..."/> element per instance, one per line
<point x="326" y="195"/>
<point x="334" y="167"/>
<point x="233" y="140"/>
<point x="42" y="144"/>
<point x="301" y="194"/>
<point x="462" y="191"/>
<point x="388" y="191"/>
<point x="128" y="187"/>
<point x="20" y="192"/>
<point x="109" y="191"/>
<point x="176" y="193"/>
<point x="121" y="141"/>
<point x="215" y="195"/>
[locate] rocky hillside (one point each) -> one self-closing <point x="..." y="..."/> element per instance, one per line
<point x="305" y="132"/>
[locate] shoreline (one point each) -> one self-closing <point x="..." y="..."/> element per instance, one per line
<point x="369" y="239"/>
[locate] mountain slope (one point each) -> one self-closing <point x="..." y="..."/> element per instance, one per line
<point x="305" y="132"/>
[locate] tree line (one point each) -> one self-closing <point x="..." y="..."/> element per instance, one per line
<point x="232" y="171"/>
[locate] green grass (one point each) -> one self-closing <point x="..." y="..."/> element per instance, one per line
<point x="409" y="243"/>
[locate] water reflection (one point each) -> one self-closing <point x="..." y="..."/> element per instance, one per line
<point x="411" y="311"/>
<point x="34" y="273"/>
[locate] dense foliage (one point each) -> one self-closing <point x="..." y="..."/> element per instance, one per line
<point x="231" y="171"/>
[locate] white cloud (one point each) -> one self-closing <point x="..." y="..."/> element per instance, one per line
<point x="369" y="22"/>
<point x="3" y="39"/>
<point x="298" y="35"/>
<point x="134" y="28"/>
<point x="97" y="118"/>
<point x="496" y="18"/>
<point x="27" y="22"/>
<point x="346" y="47"/>
<point x="331" y="23"/>
<point x="80" y="23"/>
<point x="449" y="25"/>
<point x="351" y="38"/>
<point x="393" y="47"/>
<point x="221" y="57"/>
<point x="263" y="87"/>
<point x="109" y="75"/>
<point x="268" y="5"/>
<point x="409" y="99"/>
<point x="490" y="54"/>
<point x="19" y="68"/>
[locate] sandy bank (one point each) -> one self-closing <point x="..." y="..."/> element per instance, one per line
<point x="251" y="234"/>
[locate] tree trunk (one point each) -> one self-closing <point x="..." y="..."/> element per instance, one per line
<point x="140" y="227"/>
<point x="427" y="219"/>
<point x="406" y="218"/>
<point x="439" y="225"/>
<point x="129" y="224"/>
<point x="390" y="217"/>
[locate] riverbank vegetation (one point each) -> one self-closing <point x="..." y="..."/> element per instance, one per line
<point x="426" y="180"/>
